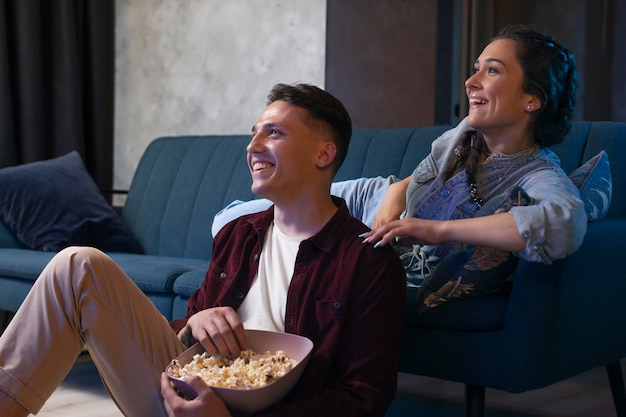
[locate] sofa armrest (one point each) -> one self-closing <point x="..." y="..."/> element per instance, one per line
<point x="575" y="308"/>
<point x="8" y="238"/>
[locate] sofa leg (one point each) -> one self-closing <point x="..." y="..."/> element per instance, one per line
<point x="474" y="400"/>
<point x="616" y="381"/>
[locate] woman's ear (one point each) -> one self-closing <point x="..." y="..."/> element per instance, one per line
<point x="327" y="154"/>
<point x="533" y="103"/>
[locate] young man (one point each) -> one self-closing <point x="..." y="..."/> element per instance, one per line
<point x="298" y="267"/>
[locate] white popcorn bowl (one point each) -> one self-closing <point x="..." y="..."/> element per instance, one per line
<point x="247" y="402"/>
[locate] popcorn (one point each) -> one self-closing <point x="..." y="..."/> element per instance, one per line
<point x="248" y="370"/>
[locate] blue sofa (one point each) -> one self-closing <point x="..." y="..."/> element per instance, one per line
<point x="557" y="321"/>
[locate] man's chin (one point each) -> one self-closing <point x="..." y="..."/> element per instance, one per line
<point x="259" y="191"/>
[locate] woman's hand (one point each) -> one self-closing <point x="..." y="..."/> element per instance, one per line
<point x="206" y="404"/>
<point x="393" y="204"/>
<point x="497" y="231"/>
<point x="422" y="231"/>
<point x="219" y="330"/>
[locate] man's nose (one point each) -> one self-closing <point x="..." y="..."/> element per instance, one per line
<point x="255" y="143"/>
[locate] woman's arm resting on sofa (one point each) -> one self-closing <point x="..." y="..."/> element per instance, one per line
<point x="363" y="197"/>
<point x="237" y="209"/>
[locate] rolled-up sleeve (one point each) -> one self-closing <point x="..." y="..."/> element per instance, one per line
<point x="555" y="225"/>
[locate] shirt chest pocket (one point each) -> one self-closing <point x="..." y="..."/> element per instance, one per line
<point x="330" y="315"/>
<point x="218" y="274"/>
<point x="425" y="171"/>
<point x="422" y="176"/>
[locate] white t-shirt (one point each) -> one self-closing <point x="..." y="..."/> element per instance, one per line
<point x="264" y="306"/>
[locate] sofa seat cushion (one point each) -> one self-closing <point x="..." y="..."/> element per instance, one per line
<point x="189" y="282"/>
<point x="157" y="273"/>
<point x="154" y="274"/>
<point x="478" y="314"/>
<point x="24" y="264"/>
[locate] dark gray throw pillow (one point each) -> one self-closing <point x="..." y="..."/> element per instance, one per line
<point x="53" y="204"/>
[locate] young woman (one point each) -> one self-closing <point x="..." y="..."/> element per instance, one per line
<point x="522" y="95"/>
<point x="490" y="188"/>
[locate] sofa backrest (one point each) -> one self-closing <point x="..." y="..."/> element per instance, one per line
<point x="181" y="182"/>
<point x="179" y="185"/>
<point x="387" y="151"/>
<point x="398" y="151"/>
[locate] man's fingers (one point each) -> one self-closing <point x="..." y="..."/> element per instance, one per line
<point x="225" y="335"/>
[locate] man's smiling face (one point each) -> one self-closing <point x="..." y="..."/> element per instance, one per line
<point x="283" y="151"/>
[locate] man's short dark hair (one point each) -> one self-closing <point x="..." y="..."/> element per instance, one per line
<point x="322" y="106"/>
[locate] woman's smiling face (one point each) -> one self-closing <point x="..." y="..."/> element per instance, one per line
<point x="498" y="105"/>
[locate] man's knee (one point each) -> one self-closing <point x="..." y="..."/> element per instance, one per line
<point x="75" y="258"/>
<point x="79" y="253"/>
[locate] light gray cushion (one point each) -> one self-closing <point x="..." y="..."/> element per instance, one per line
<point x="593" y="179"/>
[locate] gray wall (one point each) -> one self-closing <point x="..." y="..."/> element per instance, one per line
<point x="206" y="66"/>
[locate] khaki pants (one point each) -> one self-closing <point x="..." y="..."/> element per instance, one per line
<point x="82" y="298"/>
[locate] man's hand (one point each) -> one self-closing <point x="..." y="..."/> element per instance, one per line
<point x="219" y="330"/>
<point x="206" y="404"/>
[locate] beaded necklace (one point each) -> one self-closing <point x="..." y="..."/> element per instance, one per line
<point x="474" y="195"/>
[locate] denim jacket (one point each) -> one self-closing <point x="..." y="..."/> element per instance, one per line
<point x="553" y="227"/>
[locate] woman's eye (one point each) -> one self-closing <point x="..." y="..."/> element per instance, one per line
<point x="492" y="70"/>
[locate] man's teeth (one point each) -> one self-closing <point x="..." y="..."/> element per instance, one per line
<point x="260" y="165"/>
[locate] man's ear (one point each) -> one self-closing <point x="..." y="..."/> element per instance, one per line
<point x="327" y="154"/>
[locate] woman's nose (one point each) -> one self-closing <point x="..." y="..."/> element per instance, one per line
<point x="472" y="81"/>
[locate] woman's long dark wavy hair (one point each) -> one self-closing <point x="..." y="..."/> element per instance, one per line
<point x="550" y="73"/>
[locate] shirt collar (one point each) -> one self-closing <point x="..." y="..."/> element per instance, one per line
<point x="323" y="240"/>
<point x="519" y="158"/>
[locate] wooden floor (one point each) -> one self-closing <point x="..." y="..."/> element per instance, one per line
<point x="81" y="394"/>
<point x="586" y="395"/>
